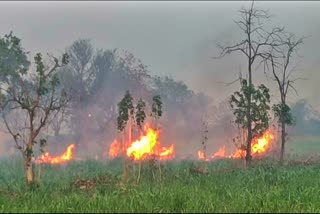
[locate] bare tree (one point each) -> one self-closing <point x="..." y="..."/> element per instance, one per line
<point x="32" y="94"/>
<point x="78" y="79"/>
<point x="256" y="40"/>
<point x="58" y="121"/>
<point x="278" y="62"/>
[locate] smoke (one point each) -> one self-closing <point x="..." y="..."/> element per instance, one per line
<point x="180" y="43"/>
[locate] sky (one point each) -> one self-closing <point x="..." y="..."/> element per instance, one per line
<point x="177" y="39"/>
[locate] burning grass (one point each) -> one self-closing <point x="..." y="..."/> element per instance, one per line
<point x="265" y="187"/>
<point x="65" y="157"/>
<point x="145" y="146"/>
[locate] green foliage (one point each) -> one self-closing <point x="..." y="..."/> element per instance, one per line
<point x="125" y="106"/>
<point x="13" y="59"/>
<point x="140" y="112"/>
<point x="260" y="100"/>
<point x="156" y="106"/>
<point x="34" y="94"/>
<point x="283" y="113"/>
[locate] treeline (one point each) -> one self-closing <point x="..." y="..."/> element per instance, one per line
<point x="96" y="80"/>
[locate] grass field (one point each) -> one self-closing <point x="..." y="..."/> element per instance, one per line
<point x="266" y="187"/>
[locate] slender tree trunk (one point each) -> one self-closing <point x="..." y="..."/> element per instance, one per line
<point x="249" y="122"/>
<point x="139" y="172"/>
<point x="124" y="175"/>
<point x="159" y="162"/>
<point x="28" y="171"/>
<point x="56" y="132"/>
<point x="283" y="141"/>
<point x="129" y="163"/>
<point x="140" y="163"/>
<point x="29" y="174"/>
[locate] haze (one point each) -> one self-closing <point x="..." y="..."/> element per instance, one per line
<point x="172" y="38"/>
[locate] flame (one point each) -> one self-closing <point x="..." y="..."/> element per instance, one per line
<point x="259" y="147"/>
<point x="200" y="155"/>
<point x="145" y="146"/>
<point x="114" y="149"/>
<point x="220" y="153"/>
<point x="166" y="153"/>
<point x="65" y="157"/>
<point x="239" y="153"/>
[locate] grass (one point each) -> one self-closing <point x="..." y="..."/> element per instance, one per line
<point x="266" y="187"/>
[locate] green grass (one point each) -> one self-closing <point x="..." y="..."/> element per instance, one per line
<point x="265" y="187"/>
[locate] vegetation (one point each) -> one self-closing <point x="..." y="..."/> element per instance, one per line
<point x="126" y="113"/>
<point x="279" y="62"/>
<point x="257" y="40"/>
<point x="90" y="93"/>
<point x="140" y="118"/>
<point x="262" y="188"/>
<point x="259" y="103"/>
<point x="31" y="95"/>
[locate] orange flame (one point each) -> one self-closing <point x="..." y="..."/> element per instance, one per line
<point x="259" y="147"/>
<point x="114" y="149"/>
<point x="220" y="153"/>
<point x="200" y="155"/>
<point x="146" y="145"/>
<point x="166" y="152"/>
<point x="65" y="157"/>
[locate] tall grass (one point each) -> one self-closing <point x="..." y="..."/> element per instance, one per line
<point x="265" y="187"/>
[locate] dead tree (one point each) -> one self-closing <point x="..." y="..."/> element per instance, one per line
<point x="256" y="40"/>
<point x="278" y="61"/>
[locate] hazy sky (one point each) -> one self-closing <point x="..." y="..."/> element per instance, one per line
<point x="172" y="38"/>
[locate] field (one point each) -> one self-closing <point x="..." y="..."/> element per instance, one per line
<point x="266" y="187"/>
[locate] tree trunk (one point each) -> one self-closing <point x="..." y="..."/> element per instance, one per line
<point x="56" y="132"/>
<point x="139" y="172"/>
<point x="159" y="162"/>
<point x="283" y="141"/>
<point x="140" y="163"/>
<point x="124" y="175"/>
<point x="249" y="122"/>
<point x="28" y="171"/>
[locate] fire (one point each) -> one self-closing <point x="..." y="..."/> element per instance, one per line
<point x="65" y="157"/>
<point x="261" y="144"/>
<point x="114" y="149"/>
<point x="145" y="146"/>
<point x="200" y="155"/>
<point x="259" y="147"/>
<point x="220" y="153"/>
<point x="166" y="153"/>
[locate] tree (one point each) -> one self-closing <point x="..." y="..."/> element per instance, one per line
<point x="259" y="106"/>
<point x="156" y="113"/>
<point x="78" y="77"/>
<point x="58" y="121"/>
<point x="125" y="113"/>
<point x="204" y="142"/>
<point x="140" y="117"/>
<point x="255" y="42"/>
<point x="29" y="93"/>
<point x="278" y="62"/>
